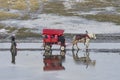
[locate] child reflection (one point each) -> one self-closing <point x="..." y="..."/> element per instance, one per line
<point x="84" y="59"/>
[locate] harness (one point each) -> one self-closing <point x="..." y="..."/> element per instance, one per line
<point x="80" y="36"/>
<point x="87" y="36"/>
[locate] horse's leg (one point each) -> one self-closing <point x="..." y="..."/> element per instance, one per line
<point x="73" y="54"/>
<point x="84" y="40"/>
<point x="87" y="43"/>
<point x="75" y="43"/>
<point x="73" y="46"/>
<point x="77" y="46"/>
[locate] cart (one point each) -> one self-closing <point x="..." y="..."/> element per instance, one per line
<point x="51" y="37"/>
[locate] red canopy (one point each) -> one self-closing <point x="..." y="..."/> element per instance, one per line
<point x="53" y="31"/>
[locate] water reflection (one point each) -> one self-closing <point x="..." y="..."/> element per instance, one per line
<point x="83" y="58"/>
<point x="53" y="61"/>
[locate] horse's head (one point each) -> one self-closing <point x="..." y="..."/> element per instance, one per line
<point x="93" y="36"/>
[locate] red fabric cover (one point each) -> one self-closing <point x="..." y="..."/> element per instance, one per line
<point x="52" y="32"/>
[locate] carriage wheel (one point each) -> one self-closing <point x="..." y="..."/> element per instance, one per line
<point x="62" y="48"/>
<point x="47" y="47"/>
<point x="48" y="50"/>
<point x="62" y="52"/>
<point x="48" y="53"/>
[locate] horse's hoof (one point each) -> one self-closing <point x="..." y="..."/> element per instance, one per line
<point x="78" y="48"/>
<point x="87" y="49"/>
<point x="73" y="49"/>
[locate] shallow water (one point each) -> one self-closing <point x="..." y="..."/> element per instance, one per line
<point x="29" y="65"/>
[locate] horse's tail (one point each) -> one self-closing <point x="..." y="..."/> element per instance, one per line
<point x="74" y="37"/>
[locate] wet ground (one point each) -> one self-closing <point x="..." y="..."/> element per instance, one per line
<point x="105" y="51"/>
<point x="29" y="63"/>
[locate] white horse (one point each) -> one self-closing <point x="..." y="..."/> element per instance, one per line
<point x="83" y="38"/>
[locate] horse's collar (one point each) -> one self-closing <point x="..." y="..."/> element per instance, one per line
<point x="87" y="36"/>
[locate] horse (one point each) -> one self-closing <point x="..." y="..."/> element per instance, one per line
<point x="13" y="51"/>
<point x="85" y="60"/>
<point x="83" y="38"/>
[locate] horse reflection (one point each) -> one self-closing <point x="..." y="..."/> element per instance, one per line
<point x="85" y="60"/>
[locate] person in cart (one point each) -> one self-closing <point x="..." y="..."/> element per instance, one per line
<point x="61" y="38"/>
